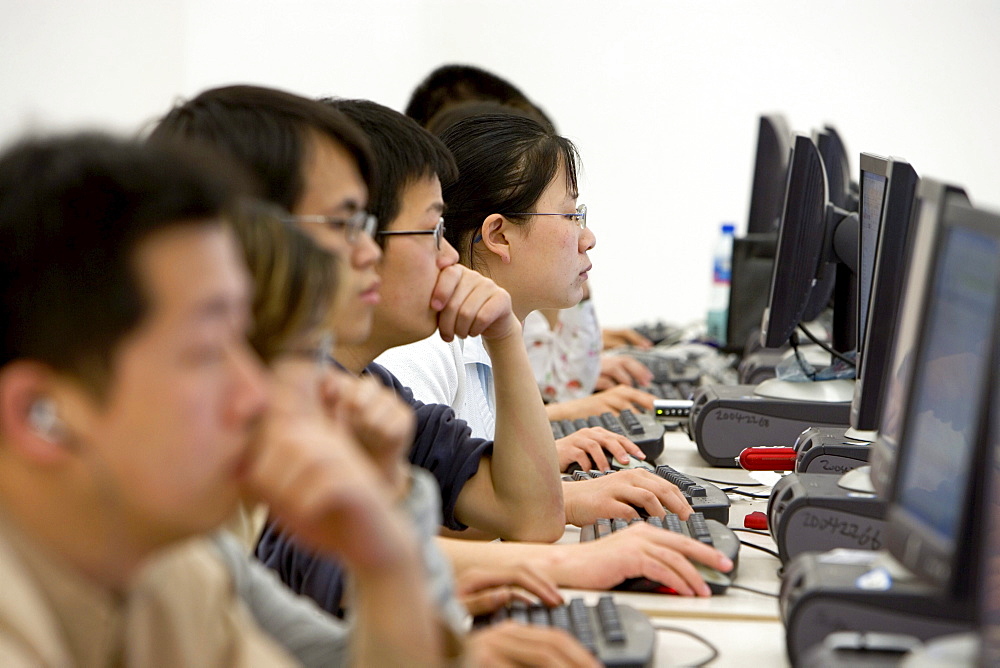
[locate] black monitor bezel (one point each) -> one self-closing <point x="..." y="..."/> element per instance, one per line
<point x="908" y="538"/>
<point x="888" y="279"/>
<point x="770" y="174"/>
<point x="801" y="236"/>
<point x="932" y="195"/>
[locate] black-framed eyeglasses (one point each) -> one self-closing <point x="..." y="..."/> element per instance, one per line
<point x="438" y="233"/>
<point x="580" y="217"/>
<point x="353" y="225"/>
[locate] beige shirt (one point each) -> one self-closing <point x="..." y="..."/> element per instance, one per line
<point x="181" y="611"/>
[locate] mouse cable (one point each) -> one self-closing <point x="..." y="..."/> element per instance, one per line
<point x="753" y="591"/>
<point x="827" y="348"/>
<point x="761" y="548"/>
<point x="748" y="494"/>
<point x="730" y="483"/>
<point x="704" y="641"/>
<point x="759" y="532"/>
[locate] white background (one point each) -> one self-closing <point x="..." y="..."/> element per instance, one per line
<point x="661" y="96"/>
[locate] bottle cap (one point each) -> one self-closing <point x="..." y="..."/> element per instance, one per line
<point x="728" y="228"/>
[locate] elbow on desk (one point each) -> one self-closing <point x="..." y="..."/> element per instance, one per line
<point x="538" y="525"/>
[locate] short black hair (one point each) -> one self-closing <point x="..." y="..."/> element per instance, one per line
<point x="505" y="163"/>
<point x="454" y="84"/>
<point x="73" y="211"/>
<point x="404" y="153"/>
<point x="267" y="132"/>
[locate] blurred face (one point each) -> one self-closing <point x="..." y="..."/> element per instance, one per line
<point x="334" y="187"/>
<point x="166" y="447"/>
<point x="548" y="257"/>
<point x="411" y="266"/>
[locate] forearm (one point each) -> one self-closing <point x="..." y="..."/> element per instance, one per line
<point x="553" y="561"/>
<point x="524" y="469"/>
<point x="395" y="621"/>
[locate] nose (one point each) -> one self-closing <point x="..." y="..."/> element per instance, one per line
<point x="365" y="252"/>
<point x="447" y="256"/>
<point x="587" y="240"/>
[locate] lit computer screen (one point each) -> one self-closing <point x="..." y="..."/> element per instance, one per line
<point x="944" y="408"/>
<point x="872" y="196"/>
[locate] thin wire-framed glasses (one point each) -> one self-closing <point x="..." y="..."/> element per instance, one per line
<point x="438" y="233"/>
<point x="353" y="225"/>
<point x="580" y="217"/>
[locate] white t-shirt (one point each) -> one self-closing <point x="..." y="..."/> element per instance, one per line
<point x="458" y="374"/>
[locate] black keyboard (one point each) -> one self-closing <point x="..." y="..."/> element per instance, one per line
<point x="640" y="428"/>
<point x="706" y="531"/>
<point x="618" y="635"/>
<point x="667" y="369"/>
<point x="704" y="497"/>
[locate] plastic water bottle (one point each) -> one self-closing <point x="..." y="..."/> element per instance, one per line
<point x="718" y="298"/>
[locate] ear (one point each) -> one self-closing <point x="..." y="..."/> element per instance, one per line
<point x="495" y="232"/>
<point x="22" y="385"/>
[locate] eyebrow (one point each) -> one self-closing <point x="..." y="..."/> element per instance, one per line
<point x="348" y="205"/>
<point x="437" y="207"/>
<point x="221" y="307"/>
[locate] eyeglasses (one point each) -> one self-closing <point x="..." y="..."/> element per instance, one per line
<point x="438" y="233"/>
<point x="353" y="226"/>
<point x="580" y="217"/>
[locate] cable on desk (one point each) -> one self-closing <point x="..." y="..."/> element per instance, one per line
<point x="752" y="590"/>
<point x="752" y="496"/>
<point x="733" y="484"/>
<point x="761" y="548"/>
<point x="676" y="629"/>
<point x="756" y="531"/>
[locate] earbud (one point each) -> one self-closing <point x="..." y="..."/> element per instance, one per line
<point x="43" y="419"/>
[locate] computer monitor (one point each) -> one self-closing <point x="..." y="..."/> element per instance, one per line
<point x="774" y="147"/>
<point x="988" y="529"/>
<point x="931" y="508"/>
<point x="888" y="188"/>
<point x="753" y="253"/>
<point x="924" y="230"/>
<point x="813" y="232"/>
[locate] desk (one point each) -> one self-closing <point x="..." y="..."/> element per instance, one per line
<point x="745" y="627"/>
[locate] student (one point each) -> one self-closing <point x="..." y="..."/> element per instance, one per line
<point x="512" y="163"/>
<point x="413" y="264"/>
<point x="127" y="397"/>
<point x="564" y="344"/>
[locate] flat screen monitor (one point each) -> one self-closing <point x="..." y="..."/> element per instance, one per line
<point x="809" y="239"/>
<point x="888" y="188"/>
<point x="800" y="244"/>
<point x="930" y="509"/>
<point x="988" y="561"/>
<point x="774" y="147"/>
<point x="924" y="230"/>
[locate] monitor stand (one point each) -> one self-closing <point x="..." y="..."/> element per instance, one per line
<point x="816" y="512"/>
<point x="851" y="590"/>
<point x="725" y="419"/>
<point x="832" y="449"/>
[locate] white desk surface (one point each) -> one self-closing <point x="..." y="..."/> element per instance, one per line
<point x="745" y="627"/>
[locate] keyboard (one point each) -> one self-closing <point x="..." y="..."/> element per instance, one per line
<point x="667" y="369"/>
<point x="618" y="635"/>
<point x="640" y="428"/>
<point x="707" y="531"/>
<point x="704" y="497"/>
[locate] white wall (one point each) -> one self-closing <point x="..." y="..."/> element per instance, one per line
<point x="660" y="95"/>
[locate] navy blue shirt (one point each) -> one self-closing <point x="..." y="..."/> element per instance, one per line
<point x="443" y="445"/>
